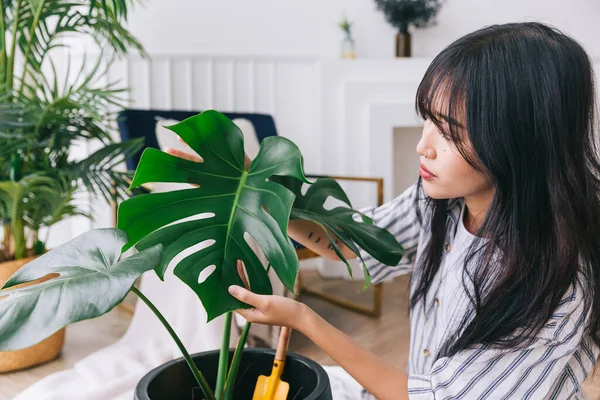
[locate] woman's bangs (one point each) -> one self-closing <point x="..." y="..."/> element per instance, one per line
<point x="442" y="98"/>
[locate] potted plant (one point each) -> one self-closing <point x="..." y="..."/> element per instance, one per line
<point x="401" y="14"/>
<point x="228" y="204"/>
<point x="43" y="113"/>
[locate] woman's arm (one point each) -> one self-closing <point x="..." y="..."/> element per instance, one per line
<point x="381" y="379"/>
<point x="312" y="236"/>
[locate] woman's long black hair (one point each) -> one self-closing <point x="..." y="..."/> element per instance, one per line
<point x="524" y="93"/>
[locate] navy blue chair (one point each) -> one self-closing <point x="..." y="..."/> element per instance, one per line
<point x="135" y="123"/>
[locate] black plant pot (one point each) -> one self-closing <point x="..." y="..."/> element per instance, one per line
<point x="174" y="381"/>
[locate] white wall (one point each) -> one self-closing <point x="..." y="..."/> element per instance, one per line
<point x="310" y="26"/>
<point x="280" y="57"/>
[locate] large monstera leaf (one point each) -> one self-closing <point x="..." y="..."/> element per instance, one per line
<point x="88" y="282"/>
<point x="346" y="224"/>
<point x="236" y="201"/>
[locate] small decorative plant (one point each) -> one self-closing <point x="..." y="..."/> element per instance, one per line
<point x="402" y="14"/>
<point x="348" y="42"/>
<point x="230" y="203"/>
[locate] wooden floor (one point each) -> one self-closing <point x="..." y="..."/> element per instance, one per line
<point x="387" y="336"/>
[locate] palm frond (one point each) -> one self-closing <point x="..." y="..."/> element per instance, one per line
<point x="43" y="114"/>
<point x="7" y="200"/>
<point x="99" y="171"/>
<point x="49" y="200"/>
<point x="80" y="110"/>
<point x="42" y="22"/>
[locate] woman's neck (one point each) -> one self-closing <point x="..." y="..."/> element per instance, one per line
<point x="476" y="207"/>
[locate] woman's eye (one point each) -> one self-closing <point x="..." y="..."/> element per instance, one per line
<point x="444" y="134"/>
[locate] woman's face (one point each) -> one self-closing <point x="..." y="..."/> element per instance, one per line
<point x="446" y="174"/>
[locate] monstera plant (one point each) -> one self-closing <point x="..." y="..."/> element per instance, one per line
<point x="226" y="206"/>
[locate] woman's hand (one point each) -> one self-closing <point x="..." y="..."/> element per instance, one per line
<point x="271" y="310"/>
<point x="381" y="379"/>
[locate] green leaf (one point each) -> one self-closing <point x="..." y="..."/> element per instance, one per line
<point x="234" y="202"/>
<point x="91" y="282"/>
<point x="340" y="221"/>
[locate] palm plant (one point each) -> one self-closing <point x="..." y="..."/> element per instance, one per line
<point x="44" y="112"/>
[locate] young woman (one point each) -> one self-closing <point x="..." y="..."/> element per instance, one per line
<point x="502" y="231"/>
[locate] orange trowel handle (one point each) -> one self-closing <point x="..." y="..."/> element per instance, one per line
<point x="283" y="344"/>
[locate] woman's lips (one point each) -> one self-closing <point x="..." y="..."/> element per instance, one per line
<point x="425" y="173"/>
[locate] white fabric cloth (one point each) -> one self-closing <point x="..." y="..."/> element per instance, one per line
<point x="113" y="372"/>
<point x="343" y="386"/>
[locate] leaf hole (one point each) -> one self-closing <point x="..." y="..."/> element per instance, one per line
<point x="304" y="188"/>
<point x="193" y="218"/>
<point x="357" y="217"/>
<point x="206" y="272"/>
<point x="331" y="203"/>
<point x="190" y="250"/>
<point x="243" y="274"/>
<point x="160" y="187"/>
<point x="266" y="209"/>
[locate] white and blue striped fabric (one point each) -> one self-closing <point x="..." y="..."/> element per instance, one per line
<point x="553" y="366"/>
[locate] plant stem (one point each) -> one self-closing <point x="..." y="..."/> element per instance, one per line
<point x="32" y="28"/>
<point x="223" y="357"/>
<point x="235" y="364"/>
<point x="3" y="51"/>
<point x="19" y="235"/>
<point x="188" y="359"/>
<point x="11" y="58"/>
<point x="7" y="243"/>
<point x="237" y="356"/>
<point x="17" y="225"/>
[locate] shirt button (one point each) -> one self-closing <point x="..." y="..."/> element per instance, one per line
<point x="448" y="247"/>
<point x="426" y="352"/>
<point x="436" y="302"/>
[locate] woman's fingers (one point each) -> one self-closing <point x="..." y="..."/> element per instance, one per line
<point x="253" y="315"/>
<point x="183" y="154"/>
<point x="269" y="309"/>
<point x="246" y="296"/>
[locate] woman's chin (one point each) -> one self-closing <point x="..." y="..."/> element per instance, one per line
<point x="434" y="191"/>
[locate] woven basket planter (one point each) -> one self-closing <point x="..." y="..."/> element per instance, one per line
<point x="48" y="349"/>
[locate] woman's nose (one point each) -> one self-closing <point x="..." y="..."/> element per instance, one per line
<point x="425" y="146"/>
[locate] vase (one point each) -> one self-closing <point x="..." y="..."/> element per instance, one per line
<point x="403" y="40"/>
<point x="348" y="48"/>
<point x="173" y="380"/>
<point x="46" y="350"/>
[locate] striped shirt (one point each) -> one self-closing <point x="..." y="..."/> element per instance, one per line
<point x="553" y="366"/>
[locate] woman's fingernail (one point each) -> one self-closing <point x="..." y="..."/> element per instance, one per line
<point x="233" y="290"/>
